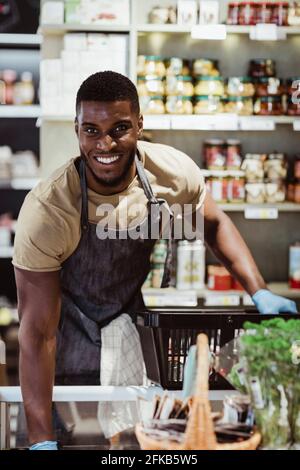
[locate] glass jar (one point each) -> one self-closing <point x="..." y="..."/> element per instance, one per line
<point x="180" y="85"/>
<point x="177" y="66"/>
<point x="154" y="65"/>
<point x="294" y="14"/>
<point x="208" y="85"/>
<point x="208" y="105"/>
<point x="264" y="12"/>
<point x="293" y="86"/>
<point x="217" y="186"/>
<point x="240" y="86"/>
<point x="255" y="193"/>
<point x="275" y="191"/>
<point x="253" y="166"/>
<point x="268" y="106"/>
<point x="236" y="187"/>
<point x="297" y="167"/>
<point x="291" y="191"/>
<point x="242" y="105"/>
<point x="206" y="67"/>
<point x="268" y="86"/>
<point x="247" y="13"/>
<point x="293" y="109"/>
<point x="150" y="85"/>
<point x="280" y="13"/>
<point x="297" y="191"/>
<point x="233" y="13"/>
<point x="233" y="154"/>
<point x="179" y="105"/>
<point x="262" y="68"/>
<point x="152" y="104"/>
<point x="275" y="167"/>
<point x="214" y="154"/>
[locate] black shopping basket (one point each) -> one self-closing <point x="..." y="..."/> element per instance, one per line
<point x="167" y="334"/>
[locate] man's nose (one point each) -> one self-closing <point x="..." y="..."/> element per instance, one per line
<point x="105" y="143"/>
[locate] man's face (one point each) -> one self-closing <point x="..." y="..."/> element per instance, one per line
<point x="108" y="134"/>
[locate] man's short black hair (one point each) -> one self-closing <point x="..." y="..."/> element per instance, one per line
<point x="108" y="86"/>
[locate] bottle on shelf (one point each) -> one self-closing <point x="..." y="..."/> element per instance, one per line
<point x="24" y="90"/>
<point x="9" y="77"/>
<point x="2" y="90"/>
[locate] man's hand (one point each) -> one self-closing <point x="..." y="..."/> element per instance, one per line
<point x="45" y="445"/>
<point x="266" y="302"/>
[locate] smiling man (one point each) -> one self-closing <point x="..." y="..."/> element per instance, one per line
<point x="76" y="292"/>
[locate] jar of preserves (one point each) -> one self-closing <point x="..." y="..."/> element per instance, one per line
<point x="233" y="154"/>
<point x="262" y="68"/>
<point x="233" y="13"/>
<point x="255" y="193"/>
<point x="293" y="109"/>
<point x="180" y="85"/>
<point x="152" y="104"/>
<point x="290" y="195"/>
<point x="247" y="13"/>
<point x="294" y="14"/>
<point x="209" y="85"/>
<point x="274" y="191"/>
<point x="206" y="67"/>
<point x="179" y="105"/>
<point x="236" y="187"/>
<point x="214" y="154"/>
<point x="240" y="86"/>
<point x="208" y="104"/>
<point x="268" y="106"/>
<point x="177" y="66"/>
<point x="217" y="186"/>
<point x="297" y="167"/>
<point x="297" y="191"/>
<point x="150" y="85"/>
<point x="280" y="13"/>
<point x="253" y="166"/>
<point x="242" y="105"/>
<point x="275" y="167"/>
<point x="293" y="86"/>
<point x="268" y="86"/>
<point x="154" y="65"/>
<point x="264" y="12"/>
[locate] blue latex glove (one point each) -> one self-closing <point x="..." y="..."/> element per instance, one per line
<point x="266" y="302"/>
<point x="45" y="445"/>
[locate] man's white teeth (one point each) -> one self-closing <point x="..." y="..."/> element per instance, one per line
<point x="106" y="160"/>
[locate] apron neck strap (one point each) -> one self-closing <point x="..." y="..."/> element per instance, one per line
<point x="144" y="181"/>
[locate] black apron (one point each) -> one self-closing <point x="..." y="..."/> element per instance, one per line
<point x="99" y="281"/>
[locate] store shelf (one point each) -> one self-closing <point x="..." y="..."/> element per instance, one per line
<point x="19" y="183"/>
<point x="54" y="29"/>
<point x="20" y="39"/>
<point x="26" y="111"/>
<point x="174" y="28"/>
<point x="6" y="251"/>
<point x="281" y="207"/>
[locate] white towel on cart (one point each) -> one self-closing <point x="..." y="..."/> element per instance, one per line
<point x="121" y="365"/>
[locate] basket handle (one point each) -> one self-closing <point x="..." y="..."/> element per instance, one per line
<point x="200" y="429"/>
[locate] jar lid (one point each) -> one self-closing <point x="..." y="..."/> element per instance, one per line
<point x="185" y="78"/>
<point x="206" y="97"/>
<point x="154" y="57"/>
<point x="179" y="98"/>
<point x="156" y="97"/>
<point x="233" y="142"/>
<point x="237" y="98"/>
<point x="207" y="78"/>
<point x="149" y="77"/>
<point x="267" y="79"/>
<point x="276" y="156"/>
<point x="241" y="79"/>
<point x="214" y="142"/>
<point x="270" y="99"/>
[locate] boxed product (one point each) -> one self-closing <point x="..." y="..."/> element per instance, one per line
<point x="105" y="12"/>
<point x="208" y="12"/>
<point x="75" y="41"/>
<point x="187" y="12"/>
<point x="72" y="11"/>
<point x="52" y="13"/>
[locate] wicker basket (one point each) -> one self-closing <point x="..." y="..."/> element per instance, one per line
<point x="199" y="433"/>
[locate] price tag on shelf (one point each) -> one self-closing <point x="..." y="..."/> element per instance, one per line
<point x="247" y="300"/>
<point x="266" y="32"/>
<point x="170" y="298"/>
<point x="211" y="32"/>
<point x="296" y="125"/>
<point x="261" y="213"/>
<point x="256" y="123"/>
<point x="157" y="122"/>
<point x="226" y="122"/>
<point x="221" y="300"/>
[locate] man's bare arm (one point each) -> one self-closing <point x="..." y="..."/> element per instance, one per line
<point x="229" y="247"/>
<point x="39" y="303"/>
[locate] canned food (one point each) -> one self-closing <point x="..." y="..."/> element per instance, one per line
<point x="294" y="266"/>
<point x="255" y="193"/>
<point x="184" y="265"/>
<point x="253" y="166"/>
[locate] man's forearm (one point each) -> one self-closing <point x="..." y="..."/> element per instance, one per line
<point x="37" y="362"/>
<point x="230" y="248"/>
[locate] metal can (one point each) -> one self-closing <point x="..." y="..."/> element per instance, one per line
<point x="294" y="266"/>
<point x="184" y="265"/>
<point x="198" y="265"/>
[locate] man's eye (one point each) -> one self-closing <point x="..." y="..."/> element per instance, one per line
<point x="90" y="130"/>
<point x="121" y="128"/>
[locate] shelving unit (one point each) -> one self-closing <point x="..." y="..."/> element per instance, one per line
<point x="30" y="111"/>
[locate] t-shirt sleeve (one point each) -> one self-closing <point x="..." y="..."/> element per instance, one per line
<point x="39" y="242"/>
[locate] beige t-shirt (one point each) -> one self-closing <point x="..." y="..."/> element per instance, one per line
<point x="49" y="230"/>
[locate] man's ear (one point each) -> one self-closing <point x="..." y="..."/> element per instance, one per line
<point x="76" y="126"/>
